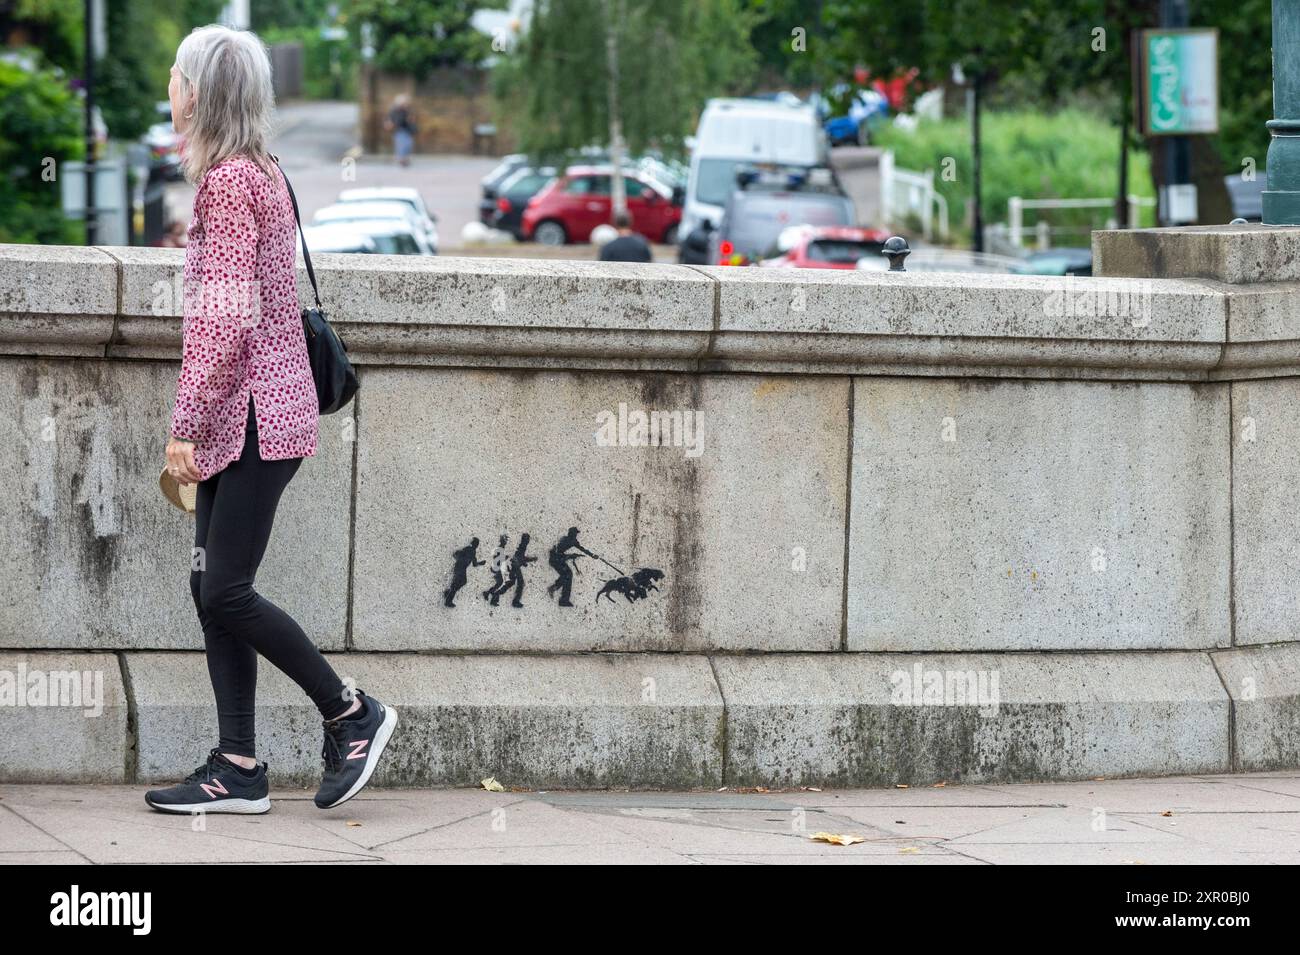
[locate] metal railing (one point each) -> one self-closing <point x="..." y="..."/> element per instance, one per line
<point x="1044" y="232"/>
<point x="905" y="193"/>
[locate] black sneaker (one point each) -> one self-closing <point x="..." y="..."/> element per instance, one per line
<point x="352" y="750"/>
<point x="216" y="786"/>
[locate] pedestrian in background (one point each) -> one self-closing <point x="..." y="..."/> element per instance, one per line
<point x="245" y="416"/>
<point x="400" y="124"/>
<point x="628" y="247"/>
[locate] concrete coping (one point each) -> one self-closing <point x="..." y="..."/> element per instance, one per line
<point x="120" y="302"/>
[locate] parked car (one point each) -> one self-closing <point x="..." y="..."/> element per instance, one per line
<point x="163" y="144"/>
<point x="337" y="238"/>
<point x="399" y="213"/>
<point x="491" y="184"/>
<point x="1062" y="261"/>
<point x="572" y="205"/>
<point x="866" y="109"/>
<point x="1247" y="196"/>
<point x="759" y="212"/>
<point x="506" y="212"/>
<point x="506" y="167"/>
<point x="390" y="236"/>
<point x="826" y="247"/>
<point x="411" y="197"/>
<point x="735" y="132"/>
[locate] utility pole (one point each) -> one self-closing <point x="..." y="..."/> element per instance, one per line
<point x="977" y="203"/>
<point x="92" y="224"/>
<point x="1282" y="195"/>
<point x="618" y="191"/>
<point x="1175" y="154"/>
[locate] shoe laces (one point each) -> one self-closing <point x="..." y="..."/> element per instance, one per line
<point x="331" y="752"/>
<point x="206" y="770"/>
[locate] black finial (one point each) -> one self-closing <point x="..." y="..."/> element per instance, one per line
<point x="896" y="251"/>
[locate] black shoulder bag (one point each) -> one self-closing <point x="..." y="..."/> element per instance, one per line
<point x="336" y="380"/>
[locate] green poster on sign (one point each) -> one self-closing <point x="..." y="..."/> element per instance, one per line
<point x="1180" y="82"/>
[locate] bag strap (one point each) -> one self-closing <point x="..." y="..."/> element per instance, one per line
<point x="306" y="256"/>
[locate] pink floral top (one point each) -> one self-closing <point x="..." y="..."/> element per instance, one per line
<point x="242" y="323"/>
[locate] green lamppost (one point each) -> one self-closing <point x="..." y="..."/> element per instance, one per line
<point x="1282" y="197"/>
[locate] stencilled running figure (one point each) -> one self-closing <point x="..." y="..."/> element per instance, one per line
<point x="516" y="565"/>
<point x="466" y="558"/>
<point x="500" y="567"/>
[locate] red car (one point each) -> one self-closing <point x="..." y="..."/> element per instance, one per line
<point x="829" y="247"/>
<point x="575" y="203"/>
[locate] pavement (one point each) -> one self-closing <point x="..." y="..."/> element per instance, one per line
<point x="1243" y="819"/>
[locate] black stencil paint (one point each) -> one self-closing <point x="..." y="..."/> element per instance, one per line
<point x="507" y="571"/>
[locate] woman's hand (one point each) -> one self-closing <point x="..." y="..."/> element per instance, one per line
<point x="180" y="461"/>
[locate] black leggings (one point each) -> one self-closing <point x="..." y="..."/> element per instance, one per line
<point x="235" y="510"/>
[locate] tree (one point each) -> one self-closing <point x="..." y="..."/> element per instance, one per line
<point x="671" y="56"/>
<point x="418" y="36"/>
<point x="1051" y="47"/>
<point x="41" y="119"/>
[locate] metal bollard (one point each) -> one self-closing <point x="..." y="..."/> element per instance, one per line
<point x="896" y="250"/>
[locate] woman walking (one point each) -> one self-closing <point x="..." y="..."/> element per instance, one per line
<point x="400" y="124"/>
<point x="245" y="416"/>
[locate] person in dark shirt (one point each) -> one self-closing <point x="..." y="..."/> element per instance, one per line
<point x="628" y="247"/>
<point x="400" y="124"/>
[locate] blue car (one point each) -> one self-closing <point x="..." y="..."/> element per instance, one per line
<point x="866" y="109"/>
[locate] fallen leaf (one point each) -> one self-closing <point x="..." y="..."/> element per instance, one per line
<point x="1167" y="813"/>
<point x="909" y="850"/>
<point x="901" y="786"/>
<point x="353" y="822"/>
<point x="940" y="785"/>
<point x="814" y="789"/>
<point x="836" y="839"/>
<point x="491" y="785"/>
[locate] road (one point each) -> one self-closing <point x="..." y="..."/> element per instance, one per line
<point x="313" y="141"/>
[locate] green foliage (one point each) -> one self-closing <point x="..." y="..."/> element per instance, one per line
<point x="41" y="119"/>
<point x="270" y="15"/>
<point x="1047" y="51"/>
<point x="1245" y="77"/>
<point x="1065" y="155"/>
<point x="51" y="26"/>
<point x="329" y="66"/>
<point x="672" y="55"/>
<point x="418" y="36"/>
<point x="133" y="75"/>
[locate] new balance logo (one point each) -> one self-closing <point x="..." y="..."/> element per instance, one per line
<point x="358" y="749"/>
<point x="215" y="788"/>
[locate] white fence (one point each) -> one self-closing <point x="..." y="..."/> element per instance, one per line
<point x="1044" y="232"/>
<point x="904" y="193"/>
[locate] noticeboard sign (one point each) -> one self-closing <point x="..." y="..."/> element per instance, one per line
<point x="1179" y="82"/>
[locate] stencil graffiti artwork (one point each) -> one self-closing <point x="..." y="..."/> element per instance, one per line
<point x="465" y="558"/>
<point x="507" y="570"/>
<point x="511" y="573"/>
<point x="634" y="588"/>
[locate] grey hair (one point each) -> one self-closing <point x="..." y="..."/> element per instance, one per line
<point x="230" y="73"/>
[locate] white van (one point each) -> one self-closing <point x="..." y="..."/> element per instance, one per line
<point x="737" y="131"/>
